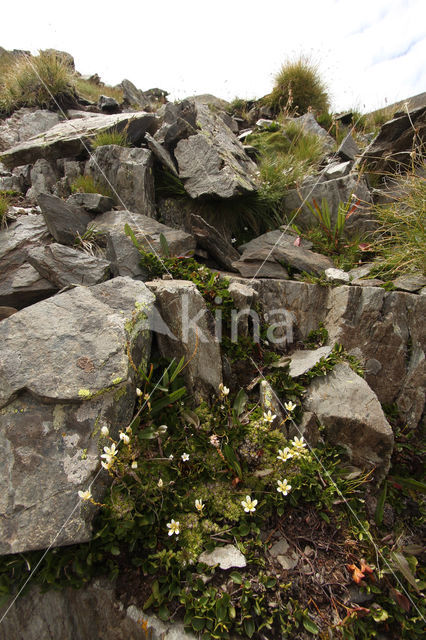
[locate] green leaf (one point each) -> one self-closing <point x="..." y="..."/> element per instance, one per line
<point x="244" y="529"/>
<point x="231" y="459"/>
<point x="115" y="551"/>
<point x="197" y="623"/>
<point x="324" y="516"/>
<point x="178" y="368"/>
<point x="249" y="627"/>
<point x="129" y="232"/>
<point x="164" y="245"/>
<point x="163" y="613"/>
<point x="169" y="399"/>
<point x="310" y="625"/>
<point x="222" y="607"/>
<point x="402" y="564"/>
<point x="240" y="402"/>
<point x="378" y="516"/>
<point x="236" y="577"/>
<point x="410" y="483"/>
<point x="147" y="434"/>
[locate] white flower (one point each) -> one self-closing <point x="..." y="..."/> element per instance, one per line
<point x="105" y="431"/>
<point x="223" y="390"/>
<point x="249" y="504"/>
<point x="85" y="495"/>
<point x="110" y="452"/>
<point x="134" y="464"/>
<point x="264" y="383"/>
<point x="124" y="437"/>
<point x="283" y="487"/>
<point x="284" y="454"/>
<point x="138" y="392"/>
<point x="185" y="457"/>
<point x="298" y="443"/>
<point x="269" y="417"/>
<point x="173" y="527"/>
<point x="160" y="483"/>
<point x="199" y="505"/>
<point x="290" y="406"/>
<point x="214" y="440"/>
<point x="171" y="456"/>
<point x="108" y="464"/>
<point x="162" y="429"/>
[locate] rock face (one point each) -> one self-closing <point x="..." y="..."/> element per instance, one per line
<point x="72" y="376"/>
<point x="63" y="220"/>
<point x="24" y="124"/>
<point x="129" y="173"/>
<point x="66" y="266"/>
<point x="385" y="330"/>
<point x="394" y="143"/>
<point x="70" y="138"/>
<point x="353" y="418"/>
<point x="187" y="331"/>
<point x="124" y="257"/>
<point x="211" y="161"/>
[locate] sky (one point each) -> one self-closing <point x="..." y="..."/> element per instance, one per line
<point x="369" y="52"/>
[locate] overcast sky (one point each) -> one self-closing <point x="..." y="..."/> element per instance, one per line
<point x="370" y="52"/>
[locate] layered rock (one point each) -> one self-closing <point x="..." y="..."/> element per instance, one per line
<point x="73" y="375"/>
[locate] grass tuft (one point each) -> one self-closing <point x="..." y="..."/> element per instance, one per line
<point x="86" y="184"/>
<point x="110" y="137"/>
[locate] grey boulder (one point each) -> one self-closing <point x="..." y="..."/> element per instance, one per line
<point x="65" y="266"/>
<point x="64" y="220"/>
<point x="73" y="375"/>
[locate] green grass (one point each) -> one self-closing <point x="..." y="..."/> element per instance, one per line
<point x="110" y="137"/>
<point x="298" y="87"/>
<point x="39" y="81"/>
<point x="4" y="206"/>
<point x="92" y="91"/>
<point x="400" y="241"/>
<point x="86" y="184"/>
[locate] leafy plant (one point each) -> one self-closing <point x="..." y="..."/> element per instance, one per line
<point x="87" y="184"/>
<point x="299" y="84"/>
<point x="333" y="232"/>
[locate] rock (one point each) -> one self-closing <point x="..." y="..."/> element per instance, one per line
<point x="63" y="220"/>
<point x="308" y="428"/>
<point x="226" y="557"/>
<point x="337" y="170"/>
<point x="290" y="256"/>
<point x="308" y="124"/>
<point x="137" y="99"/>
<point x="411" y="283"/>
<point x="73" y="374"/>
<point x="23" y="286"/>
<point x="217" y="246"/>
<point x="161" y="153"/>
<point x="129" y="174"/>
<point x="361" y="272"/>
<point x="24" y="124"/>
<point x="124" y="257"/>
<point x="335" y="192"/>
<point x="156" y="629"/>
<point x="348" y="149"/>
<point x="70" y="138"/>
<point x="369" y="282"/>
<point x="178" y="122"/>
<point x="260" y="265"/>
<point x="264" y="123"/>
<point x="188" y="331"/>
<point x="108" y="105"/>
<point x="65" y="266"/>
<point x="6" y="312"/>
<point x="287" y="558"/>
<point x="277" y="238"/>
<point x="302" y="361"/>
<point x="213" y="162"/>
<point x="337" y="275"/>
<point x="17" y="238"/>
<point x="43" y="179"/>
<point x="353" y="418"/>
<point x="91" y="202"/>
<point x="89" y="613"/>
<point x="393" y="145"/>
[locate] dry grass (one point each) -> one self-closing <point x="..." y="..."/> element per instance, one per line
<point x="92" y="91"/>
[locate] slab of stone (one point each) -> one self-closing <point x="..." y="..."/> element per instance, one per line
<point x="214" y="243"/>
<point x="337" y="275"/>
<point x="91" y="202"/>
<point x="65" y="266"/>
<point x="187" y="330"/>
<point x="124" y="257"/>
<point x="227" y="557"/>
<point x="302" y="361"/>
<point x="253" y="267"/>
<point x="72" y="375"/>
<point x="353" y="417"/>
<point x="64" y="220"/>
<point x="71" y="137"/>
<point x="361" y="272"/>
<point x="161" y="153"/>
<point x="288" y="256"/>
<point x="28" y="231"/>
<point x="43" y="177"/>
<point x="129" y="175"/>
<point x="411" y="283"/>
<point x="271" y="239"/>
<point x="368" y="282"/>
<point x="337" y="170"/>
<point x="24" y="124"/>
<point x="348" y="149"/>
<point x="23" y="285"/>
<point x="213" y="161"/>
